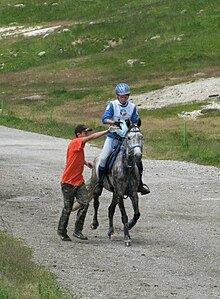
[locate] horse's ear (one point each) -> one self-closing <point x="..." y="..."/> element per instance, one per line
<point x="139" y="122"/>
<point x="128" y="122"/>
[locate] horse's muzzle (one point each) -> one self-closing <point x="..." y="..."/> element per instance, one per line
<point x="138" y="156"/>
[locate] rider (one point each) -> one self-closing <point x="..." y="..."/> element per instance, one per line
<point x="116" y="113"/>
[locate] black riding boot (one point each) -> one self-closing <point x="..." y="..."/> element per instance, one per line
<point x="142" y="188"/>
<point x="99" y="185"/>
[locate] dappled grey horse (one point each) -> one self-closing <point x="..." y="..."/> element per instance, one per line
<point x="123" y="180"/>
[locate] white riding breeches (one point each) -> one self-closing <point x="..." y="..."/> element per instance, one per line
<point x="108" y="147"/>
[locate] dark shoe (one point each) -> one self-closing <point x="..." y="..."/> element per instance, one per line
<point x="64" y="236"/>
<point x="143" y="189"/>
<point x="80" y="236"/>
<point x="98" y="188"/>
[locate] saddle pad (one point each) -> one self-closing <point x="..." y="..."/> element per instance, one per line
<point x="112" y="157"/>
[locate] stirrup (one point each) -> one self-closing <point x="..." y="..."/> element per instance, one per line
<point x="143" y="189"/>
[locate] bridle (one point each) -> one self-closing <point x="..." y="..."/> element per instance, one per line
<point x="130" y="146"/>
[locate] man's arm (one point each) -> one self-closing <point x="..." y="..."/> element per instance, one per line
<point x="94" y="136"/>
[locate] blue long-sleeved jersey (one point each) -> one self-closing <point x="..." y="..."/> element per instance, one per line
<point x="116" y="112"/>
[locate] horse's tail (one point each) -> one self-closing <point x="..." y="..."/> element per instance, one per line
<point x="90" y="185"/>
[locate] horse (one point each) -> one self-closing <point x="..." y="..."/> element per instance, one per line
<point x="122" y="180"/>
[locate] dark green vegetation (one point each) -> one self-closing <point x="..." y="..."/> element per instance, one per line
<point x="20" y="278"/>
<point x="168" y="42"/>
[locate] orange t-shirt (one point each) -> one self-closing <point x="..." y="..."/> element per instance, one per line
<point x="75" y="159"/>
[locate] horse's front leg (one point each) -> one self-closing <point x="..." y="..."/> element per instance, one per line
<point x="111" y="211"/>
<point x="95" y="222"/>
<point x="134" y="201"/>
<point x="124" y="219"/>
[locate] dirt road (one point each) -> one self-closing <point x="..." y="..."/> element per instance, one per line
<point x="175" y="244"/>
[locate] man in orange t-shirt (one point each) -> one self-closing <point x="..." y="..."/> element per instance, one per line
<point x="72" y="182"/>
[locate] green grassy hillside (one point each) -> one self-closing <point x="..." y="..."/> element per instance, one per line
<point x="166" y="38"/>
<point x="95" y="44"/>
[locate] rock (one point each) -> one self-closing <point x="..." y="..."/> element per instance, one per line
<point x="41" y="53"/>
<point x="155" y="37"/>
<point x="131" y="62"/>
<point x="19" y="5"/>
<point x="213" y="107"/>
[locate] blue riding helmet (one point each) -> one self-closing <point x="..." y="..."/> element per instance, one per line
<point x="122" y="89"/>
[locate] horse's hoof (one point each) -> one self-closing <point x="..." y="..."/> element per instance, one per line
<point x="127" y="243"/>
<point x="130" y="226"/>
<point x="110" y="233"/>
<point x="93" y="226"/>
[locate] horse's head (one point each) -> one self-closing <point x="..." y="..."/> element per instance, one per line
<point x="133" y="142"/>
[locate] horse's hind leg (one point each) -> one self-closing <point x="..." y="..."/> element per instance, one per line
<point x="111" y="211"/>
<point x="95" y="222"/>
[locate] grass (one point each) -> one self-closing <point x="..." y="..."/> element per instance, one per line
<point x="20" y="278"/>
<point x="173" y="138"/>
<point x="178" y="49"/>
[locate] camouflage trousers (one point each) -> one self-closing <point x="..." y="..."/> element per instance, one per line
<point x="69" y="194"/>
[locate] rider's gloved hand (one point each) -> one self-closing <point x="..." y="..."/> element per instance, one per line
<point x="118" y="123"/>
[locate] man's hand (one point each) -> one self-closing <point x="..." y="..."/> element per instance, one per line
<point x="113" y="129"/>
